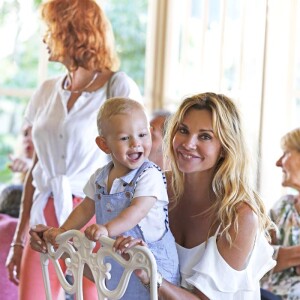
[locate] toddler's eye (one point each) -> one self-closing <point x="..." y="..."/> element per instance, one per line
<point x="124" y="138"/>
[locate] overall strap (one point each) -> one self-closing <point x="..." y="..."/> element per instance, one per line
<point x="146" y="165"/>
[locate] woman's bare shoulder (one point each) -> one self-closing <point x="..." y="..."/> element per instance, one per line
<point x="246" y="215"/>
<point x="243" y="237"/>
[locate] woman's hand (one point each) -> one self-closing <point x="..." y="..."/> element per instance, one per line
<point x="50" y="235"/>
<point x="122" y="244"/>
<point x="19" y="164"/>
<point x="37" y="241"/>
<point x="13" y="263"/>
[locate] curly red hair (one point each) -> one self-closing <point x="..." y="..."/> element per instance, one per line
<point x="79" y="31"/>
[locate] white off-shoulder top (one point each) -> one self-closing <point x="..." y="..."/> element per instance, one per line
<point x="203" y="267"/>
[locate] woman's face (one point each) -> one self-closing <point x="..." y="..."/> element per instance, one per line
<point x="289" y="162"/>
<point x="195" y="145"/>
<point x="157" y="127"/>
<point x="27" y="141"/>
<point x="48" y="41"/>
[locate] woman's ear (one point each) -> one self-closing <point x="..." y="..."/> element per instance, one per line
<point x="222" y="154"/>
<point x="101" y="143"/>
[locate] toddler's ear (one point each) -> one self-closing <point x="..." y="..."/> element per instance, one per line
<point x="101" y="143"/>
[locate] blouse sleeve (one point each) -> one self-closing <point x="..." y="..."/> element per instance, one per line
<point x="214" y="277"/>
<point x="39" y="98"/>
<point x="123" y="85"/>
<point x="31" y="109"/>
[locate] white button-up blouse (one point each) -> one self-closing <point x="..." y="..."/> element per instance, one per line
<point x="65" y="141"/>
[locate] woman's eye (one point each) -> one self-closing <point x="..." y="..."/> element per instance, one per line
<point x="205" y="137"/>
<point x="182" y="130"/>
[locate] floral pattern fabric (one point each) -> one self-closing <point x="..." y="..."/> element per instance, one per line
<point x="286" y="217"/>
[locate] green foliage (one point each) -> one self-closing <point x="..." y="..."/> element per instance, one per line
<point x="129" y="22"/>
<point x="22" y="65"/>
<point x="6" y="147"/>
<point x="37" y="3"/>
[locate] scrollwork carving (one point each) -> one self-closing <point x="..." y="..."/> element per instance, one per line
<point x="76" y="250"/>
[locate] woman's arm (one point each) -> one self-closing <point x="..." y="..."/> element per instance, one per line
<point x="13" y="260"/>
<point x="25" y="207"/>
<point x="168" y="291"/>
<point x="287" y="257"/>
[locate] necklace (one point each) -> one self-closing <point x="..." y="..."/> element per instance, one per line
<point x="66" y="85"/>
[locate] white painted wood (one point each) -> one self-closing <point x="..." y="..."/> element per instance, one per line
<point x="76" y="250"/>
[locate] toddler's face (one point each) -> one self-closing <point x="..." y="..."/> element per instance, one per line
<point x="129" y="140"/>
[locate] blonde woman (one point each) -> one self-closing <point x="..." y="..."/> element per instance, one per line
<point x="218" y="220"/>
<point x="284" y="279"/>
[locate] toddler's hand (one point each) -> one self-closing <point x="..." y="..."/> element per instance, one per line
<point x="94" y="232"/>
<point x="297" y="270"/>
<point x="51" y="234"/>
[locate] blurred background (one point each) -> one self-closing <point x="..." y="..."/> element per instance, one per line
<point x="248" y="50"/>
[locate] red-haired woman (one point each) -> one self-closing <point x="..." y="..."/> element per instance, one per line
<point x="62" y="113"/>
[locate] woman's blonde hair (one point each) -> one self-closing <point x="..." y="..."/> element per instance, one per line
<point x="291" y="140"/>
<point x="79" y="31"/>
<point x="231" y="184"/>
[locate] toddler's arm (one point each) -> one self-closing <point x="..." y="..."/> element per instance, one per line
<point x="126" y="220"/>
<point x="76" y="220"/>
<point x="131" y="216"/>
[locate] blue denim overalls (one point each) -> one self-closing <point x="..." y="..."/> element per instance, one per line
<point x="108" y="207"/>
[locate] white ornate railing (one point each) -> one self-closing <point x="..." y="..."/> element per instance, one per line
<point x="76" y="250"/>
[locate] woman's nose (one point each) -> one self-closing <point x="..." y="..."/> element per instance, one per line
<point x="279" y="162"/>
<point x="190" y="143"/>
